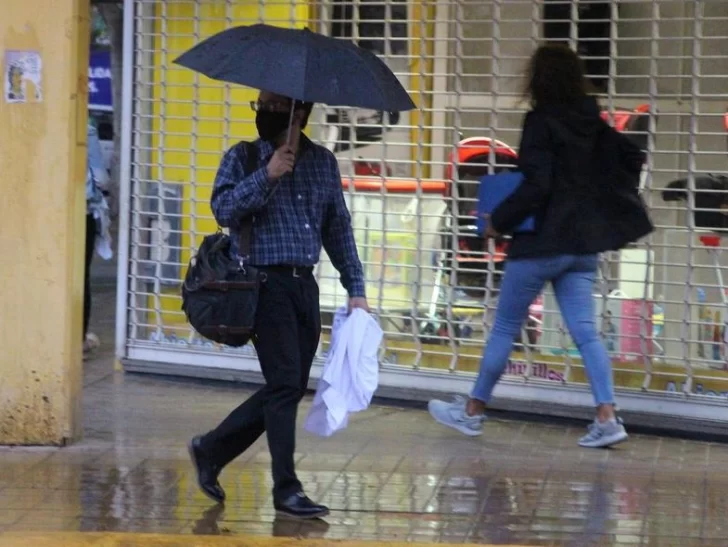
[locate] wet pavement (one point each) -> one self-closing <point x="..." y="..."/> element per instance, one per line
<point x="392" y="476"/>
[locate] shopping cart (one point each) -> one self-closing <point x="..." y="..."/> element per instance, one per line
<point x="466" y="262"/>
<point x="466" y="258"/>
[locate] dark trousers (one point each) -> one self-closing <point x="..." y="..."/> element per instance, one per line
<point x="90" y="244"/>
<point x="288" y="326"/>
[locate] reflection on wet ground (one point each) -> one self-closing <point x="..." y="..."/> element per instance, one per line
<point x="117" y="539"/>
<point x="393" y="475"/>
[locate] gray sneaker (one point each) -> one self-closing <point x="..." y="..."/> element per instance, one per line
<point x="604" y="434"/>
<point x="453" y="415"/>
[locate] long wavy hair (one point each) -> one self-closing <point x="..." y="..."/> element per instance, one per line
<point x="555" y="76"/>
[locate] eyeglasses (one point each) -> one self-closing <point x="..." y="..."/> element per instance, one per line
<point x="275" y="106"/>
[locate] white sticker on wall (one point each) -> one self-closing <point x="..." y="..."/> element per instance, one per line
<point x="23" y="77"/>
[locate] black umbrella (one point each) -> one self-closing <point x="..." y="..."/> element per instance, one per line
<point x="299" y="64"/>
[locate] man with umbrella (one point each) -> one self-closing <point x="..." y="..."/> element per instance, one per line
<point x="294" y="195"/>
<point x="296" y="198"/>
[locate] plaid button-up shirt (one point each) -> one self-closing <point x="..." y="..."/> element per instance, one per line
<point x="294" y="215"/>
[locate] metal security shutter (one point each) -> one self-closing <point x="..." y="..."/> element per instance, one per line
<point x="410" y="180"/>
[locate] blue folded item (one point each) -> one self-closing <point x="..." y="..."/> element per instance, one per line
<point x="493" y="191"/>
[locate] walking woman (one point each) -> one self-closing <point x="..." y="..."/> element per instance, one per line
<point x="559" y="189"/>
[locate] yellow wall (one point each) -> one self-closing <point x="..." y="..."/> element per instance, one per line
<point x="42" y="216"/>
<point x="185" y="151"/>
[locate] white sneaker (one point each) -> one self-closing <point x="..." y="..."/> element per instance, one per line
<point x="453" y="415"/>
<point x="604" y="434"/>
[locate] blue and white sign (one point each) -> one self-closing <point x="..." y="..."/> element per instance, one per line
<point x="99" y="81"/>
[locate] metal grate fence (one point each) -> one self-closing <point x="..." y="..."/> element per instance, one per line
<point x="411" y="180"/>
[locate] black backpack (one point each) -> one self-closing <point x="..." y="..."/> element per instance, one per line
<point x="220" y="291"/>
<point x="618" y="165"/>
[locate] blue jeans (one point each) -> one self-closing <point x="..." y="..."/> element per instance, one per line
<point x="572" y="277"/>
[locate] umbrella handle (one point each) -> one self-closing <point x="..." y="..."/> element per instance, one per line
<point x="290" y="121"/>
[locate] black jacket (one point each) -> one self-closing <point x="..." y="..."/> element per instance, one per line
<point x="557" y="156"/>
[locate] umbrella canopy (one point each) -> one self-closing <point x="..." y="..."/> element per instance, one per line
<point x="300" y="64"/>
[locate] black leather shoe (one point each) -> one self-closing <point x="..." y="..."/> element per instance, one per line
<point x="207" y="472"/>
<point x="298" y="506"/>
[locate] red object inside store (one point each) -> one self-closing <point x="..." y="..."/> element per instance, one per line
<point x="475" y="154"/>
<point x="710" y="240"/>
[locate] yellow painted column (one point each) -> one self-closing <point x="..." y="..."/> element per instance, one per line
<point x="44" y="48"/>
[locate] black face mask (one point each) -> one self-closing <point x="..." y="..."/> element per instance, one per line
<point x="270" y="125"/>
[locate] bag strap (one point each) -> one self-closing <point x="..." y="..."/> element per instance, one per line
<point x="246" y="225"/>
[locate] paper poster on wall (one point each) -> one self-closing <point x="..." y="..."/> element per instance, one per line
<point x="23" y="77"/>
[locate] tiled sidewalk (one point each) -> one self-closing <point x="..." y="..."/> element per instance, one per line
<point x="393" y="475"/>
